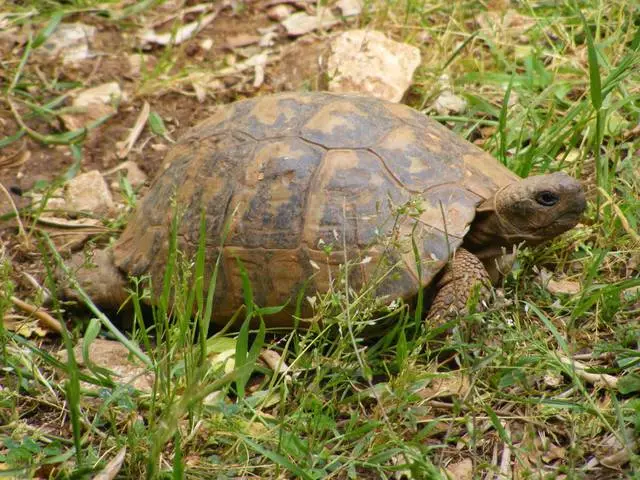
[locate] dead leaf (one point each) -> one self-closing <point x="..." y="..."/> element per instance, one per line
<point x="24" y="326"/>
<point x="601" y="379"/>
<point x="554" y="452"/>
<point x="112" y="468"/>
<point x="445" y="385"/>
<point x="552" y="379"/>
<point x="511" y="23"/>
<point x="136" y="63"/>
<point x="184" y="33"/>
<point x="301" y="23"/>
<point x="242" y="40"/>
<point x="124" y="147"/>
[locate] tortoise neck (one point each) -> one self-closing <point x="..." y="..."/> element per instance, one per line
<point x="491" y="231"/>
<point x="486" y="237"/>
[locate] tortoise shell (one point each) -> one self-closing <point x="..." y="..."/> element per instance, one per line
<point x="296" y="172"/>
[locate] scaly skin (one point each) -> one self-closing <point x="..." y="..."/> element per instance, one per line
<point x="463" y="275"/>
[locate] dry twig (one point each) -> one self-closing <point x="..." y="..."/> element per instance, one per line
<point x="41" y="314"/>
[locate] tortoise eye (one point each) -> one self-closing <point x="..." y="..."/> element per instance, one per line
<point x="547" y="199"/>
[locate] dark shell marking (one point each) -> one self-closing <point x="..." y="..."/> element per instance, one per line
<point x="291" y="171"/>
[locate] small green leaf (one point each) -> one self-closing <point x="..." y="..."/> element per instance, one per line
<point x="629" y="384"/>
<point x="76" y="154"/>
<point x="156" y="124"/>
<point x="270" y="310"/>
<point x="89" y="336"/>
<point x="278" y="459"/>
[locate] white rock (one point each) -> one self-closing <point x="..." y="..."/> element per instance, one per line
<point x="117" y="358"/>
<point x="448" y="103"/>
<point x="88" y="192"/>
<point x="280" y="12"/>
<point x="206" y="44"/>
<point x="349" y="8"/>
<point x="92" y="104"/>
<point x="130" y="169"/>
<point x="70" y="41"/>
<point x="365" y="61"/>
<point x="301" y="22"/>
<point x="136" y="62"/>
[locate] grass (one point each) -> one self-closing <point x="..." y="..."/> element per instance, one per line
<point x="334" y="402"/>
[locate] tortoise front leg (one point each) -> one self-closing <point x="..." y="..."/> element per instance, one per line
<point x="464" y="274"/>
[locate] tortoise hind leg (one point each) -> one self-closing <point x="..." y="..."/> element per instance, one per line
<point x="463" y="277"/>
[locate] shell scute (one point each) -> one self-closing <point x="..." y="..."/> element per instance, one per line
<point x="346" y="123"/>
<point x="351" y="194"/>
<point x="418" y="159"/>
<point x="273" y="194"/>
<point x="274" y="116"/>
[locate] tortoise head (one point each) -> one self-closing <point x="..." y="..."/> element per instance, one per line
<point x="532" y="210"/>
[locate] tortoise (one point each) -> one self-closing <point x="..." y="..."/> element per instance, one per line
<point x="292" y="173"/>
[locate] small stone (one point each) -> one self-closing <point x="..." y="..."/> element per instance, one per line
<point x="117" y="358"/>
<point x="280" y="12"/>
<point x="462" y="470"/>
<point x="563" y="287"/>
<point x="301" y="22"/>
<point x="631" y="293"/>
<point x="130" y="169"/>
<point x="93" y="104"/>
<point x="136" y="62"/>
<point x="206" y="44"/>
<point x="448" y="103"/>
<point x="70" y="41"/>
<point x="552" y="379"/>
<point x="366" y="61"/>
<point x="349" y="8"/>
<point x="88" y="192"/>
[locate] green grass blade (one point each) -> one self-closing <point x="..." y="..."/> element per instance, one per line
<point x="595" y="82"/>
<point x="278" y="459"/>
<point x="49" y="28"/>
